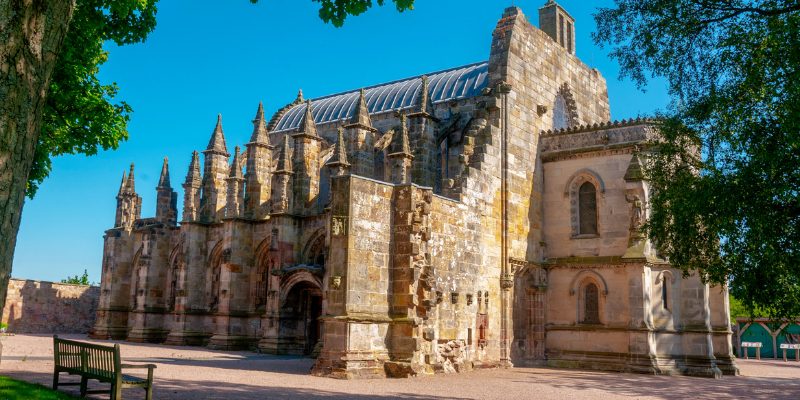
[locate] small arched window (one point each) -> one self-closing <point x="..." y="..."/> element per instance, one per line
<point x="173" y="286"/>
<point x="591" y="304"/>
<point x="664" y="293"/>
<point x="587" y="206"/>
<point x="213" y="304"/>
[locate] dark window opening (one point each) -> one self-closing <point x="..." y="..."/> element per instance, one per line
<point x="591" y="306"/>
<point x="587" y="204"/>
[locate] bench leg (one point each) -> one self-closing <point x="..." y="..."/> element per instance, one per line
<point x="84" y="382"/>
<point x="55" y="380"/>
<point x="149" y="394"/>
<point x="116" y="392"/>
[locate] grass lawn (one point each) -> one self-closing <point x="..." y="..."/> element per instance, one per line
<point x="12" y="389"/>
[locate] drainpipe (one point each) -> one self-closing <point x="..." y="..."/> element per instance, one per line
<point x="506" y="278"/>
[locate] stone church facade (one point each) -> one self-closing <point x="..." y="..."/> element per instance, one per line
<point x="486" y="215"/>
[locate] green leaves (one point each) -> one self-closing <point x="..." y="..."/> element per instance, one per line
<point x="78" y="280"/>
<point x="336" y="11"/>
<point x="725" y="181"/>
<point x="80" y="113"/>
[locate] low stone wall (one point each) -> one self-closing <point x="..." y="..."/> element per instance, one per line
<point x="47" y="307"/>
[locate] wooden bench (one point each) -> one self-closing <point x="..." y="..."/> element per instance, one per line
<point x="756" y="345"/>
<point x="792" y="346"/>
<point x="94" y="361"/>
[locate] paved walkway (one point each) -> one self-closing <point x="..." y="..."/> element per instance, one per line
<point x="197" y="373"/>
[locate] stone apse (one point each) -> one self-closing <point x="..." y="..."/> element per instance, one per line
<point x="481" y="216"/>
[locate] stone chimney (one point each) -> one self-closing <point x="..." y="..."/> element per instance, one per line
<point x="556" y="22"/>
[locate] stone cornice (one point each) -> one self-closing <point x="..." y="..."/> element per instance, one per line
<point x="597" y="137"/>
<point x="589" y="152"/>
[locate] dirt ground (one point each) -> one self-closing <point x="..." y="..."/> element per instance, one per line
<point x="198" y="373"/>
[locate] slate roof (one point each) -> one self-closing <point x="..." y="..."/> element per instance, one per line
<point x="452" y="84"/>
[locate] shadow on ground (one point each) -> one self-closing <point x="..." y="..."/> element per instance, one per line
<point x="667" y="387"/>
<point x="216" y="390"/>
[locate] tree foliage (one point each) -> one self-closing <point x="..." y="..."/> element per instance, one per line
<point x="78" y="280"/>
<point x="336" y="11"/>
<point x="726" y="177"/>
<point x="81" y="114"/>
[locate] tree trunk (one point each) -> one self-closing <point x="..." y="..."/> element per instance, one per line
<point x="31" y="36"/>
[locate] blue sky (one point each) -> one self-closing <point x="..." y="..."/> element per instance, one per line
<point x="210" y="56"/>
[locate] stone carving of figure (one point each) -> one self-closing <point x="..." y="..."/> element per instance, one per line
<point x="637" y="212"/>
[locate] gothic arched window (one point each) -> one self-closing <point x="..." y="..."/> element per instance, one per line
<point x="213" y="304"/>
<point x="664" y="293"/>
<point x="261" y="286"/>
<point x="591" y="304"/>
<point x="587" y="209"/>
<point x="560" y="116"/>
<point x="565" y="112"/>
<point x="173" y="285"/>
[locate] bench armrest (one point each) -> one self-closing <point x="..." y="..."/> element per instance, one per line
<point x="149" y="366"/>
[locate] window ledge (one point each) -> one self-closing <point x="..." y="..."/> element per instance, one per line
<point x="586" y="236"/>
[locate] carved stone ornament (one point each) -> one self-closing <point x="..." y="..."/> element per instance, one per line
<point x="637" y="213"/>
<point x="339" y="225"/>
<point x="336" y="282"/>
<point x="506" y="282"/>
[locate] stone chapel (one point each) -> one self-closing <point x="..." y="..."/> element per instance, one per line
<point x="481" y="216"/>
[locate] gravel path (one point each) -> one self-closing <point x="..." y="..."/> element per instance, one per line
<point x="198" y="373"/>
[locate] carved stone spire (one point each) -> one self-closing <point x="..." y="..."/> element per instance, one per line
<point x="163" y="180"/>
<point x="337" y="164"/>
<point x="424" y="105"/>
<point x="215" y="170"/>
<point x="235" y="200"/>
<point x="400" y="157"/>
<point x="258" y="169"/>
<point x="307" y="146"/>
<point x="236" y="165"/>
<point x="422" y="134"/>
<point x="282" y="181"/>
<point x="129" y="204"/>
<point x="360" y="139"/>
<point x="123" y="184"/>
<point x="284" y="162"/>
<point x="307" y="126"/>
<point x="361" y="115"/>
<point x="339" y="158"/>
<point x="260" y="135"/>
<point x="130" y="186"/>
<point x="166" y="198"/>
<point x="217" y="142"/>
<point x="400" y="144"/>
<point x="193" y="176"/>
<point x="191" y="190"/>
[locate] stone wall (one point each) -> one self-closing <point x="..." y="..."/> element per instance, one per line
<point x="539" y="72"/>
<point x="47" y="307"/>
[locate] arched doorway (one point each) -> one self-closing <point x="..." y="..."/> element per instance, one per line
<point x="299" y="317"/>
